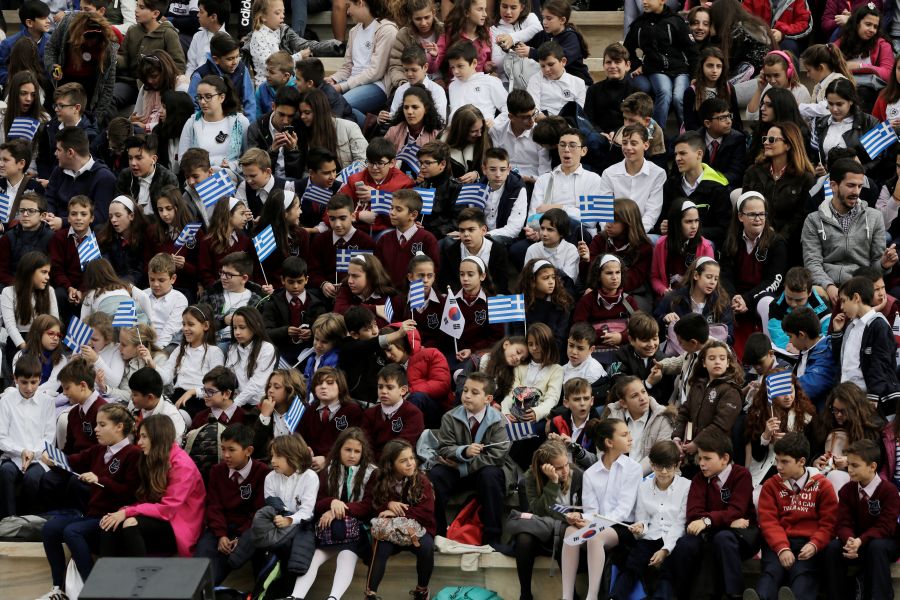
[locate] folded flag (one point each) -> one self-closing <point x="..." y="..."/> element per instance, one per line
<point x="350" y="170"/>
<point x="596" y="208"/>
<point x="409" y="156"/>
<point x="23" y="127"/>
<point x="5" y="206"/>
<point x="878" y="139"/>
<point x="88" y="250"/>
<point x="778" y="384"/>
<point x="188" y="235"/>
<point x="316" y="194"/>
<point x="214" y="188"/>
<point x="473" y="194"/>
<point x="506" y="309"/>
<point x="264" y="243"/>
<point x="78" y="334"/>
<point x="126" y="314"/>
<point x="388" y="311"/>
<point x="57" y="456"/>
<point x="427" y="196"/>
<point x="520" y="430"/>
<point x="294" y="414"/>
<point x="342" y="261"/>
<point x="381" y="202"/>
<point x="562" y="508"/>
<point x="417" y="294"/>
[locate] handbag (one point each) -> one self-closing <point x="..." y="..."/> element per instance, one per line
<point x="397" y="530"/>
<point x="340" y="531"/>
<point x="524" y="399"/>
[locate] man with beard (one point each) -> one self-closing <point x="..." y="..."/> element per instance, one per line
<point x="844" y="234"/>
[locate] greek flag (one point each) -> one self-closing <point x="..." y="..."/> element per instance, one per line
<point x="381" y="202"/>
<point x="78" y="334"/>
<point x="57" y="456"/>
<point x="506" y="309"/>
<point x="561" y="508"/>
<point x="826" y="188"/>
<point x="283" y="364"/>
<point x="294" y="414"/>
<point x="342" y="262"/>
<point x="473" y="194"/>
<point x="316" y="194"/>
<point x="5" y="207"/>
<point x="214" y="188"/>
<point x="351" y="169"/>
<point x="596" y="208"/>
<point x="417" y="294"/>
<point x="778" y="384"/>
<point x="409" y="156"/>
<point x="427" y="196"/>
<point x="264" y="243"/>
<point x="23" y="127"/>
<point x="188" y="234"/>
<point x="520" y="430"/>
<point x="88" y="250"/>
<point x="878" y="139"/>
<point x="126" y="314"/>
<point x="388" y="311"/>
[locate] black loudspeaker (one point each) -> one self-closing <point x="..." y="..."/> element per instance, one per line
<point x="149" y="579"/>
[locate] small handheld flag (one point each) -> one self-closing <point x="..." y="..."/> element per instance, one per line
<point x="427" y="196"/>
<point x="23" y="127"/>
<point x="126" y="314"/>
<point x="778" y="384"/>
<point x="417" y="294"/>
<point x="316" y="195"/>
<point x="58" y="457"/>
<point x="188" y="234"/>
<point x="596" y="208"/>
<point x="78" y="334"/>
<point x="342" y="261"/>
<point x="294" y="413"/>
<point x="88" y="250"/>
<point x="453" y="322"/>
<point x="264" y="243"/>
<point x="562" y="508"/>
<point x="283" y="363"/>
<point x="520" y="430"/>
<point x="506" y="309"/>
<point x="828" y="192"/>
<point x="381" y="202"/>
<point x="5" y="207"/>
<point x="409" y="156"/>
<point x="388" y="311"/>
<point x="350" y="170"/>
<point x="473" y="194"/>
<point x="214" y="188"/>
<point x="878" y="139"/>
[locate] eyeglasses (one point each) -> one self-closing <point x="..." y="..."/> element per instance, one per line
<point x="838" y="411"/>
<point x="210" y="392"/>
<point x="28" y="212"/>
<point x="771" y="139"/>
<point x="226" y="275"/>
<point x="62" y="106"/>
<point x="570" y="146"/>
<point x="205" y="97"/>
<point x="660" y="469"/>
<point x="725" y="117"/>
<point x="379" y="165"/>
<point x="429" y="163"/>
<point x="757" y="216"/>
<point x="53" y="334"/>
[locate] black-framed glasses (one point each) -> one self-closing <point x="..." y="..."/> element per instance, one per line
<point x="725" y="117"/>
<point x="28" y="212"/>
<point x="382" y="164"/>
<point x="756" y="216"/>
<point x="206" y="97"/>
<point x="428" y="162"/>
<point x="838" y="411"/>
<point x="771" y="139"/>
<point x="210" y="392"/>
<point x="59" y="106"/>
<point x="570" y="146"/>
<point x="226" y="275"/>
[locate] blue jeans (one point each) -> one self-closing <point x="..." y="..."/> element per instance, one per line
<point x="79" y="534"/>
<point x="368" y="98"/>
<point x="664" y="90"/>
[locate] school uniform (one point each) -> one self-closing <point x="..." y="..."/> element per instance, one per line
<point x="209" y="260"/>
<point x="25" y="424"/>
<point x="255" y="199"/>
<point x="611" y="492"/>
<point x="384" y="424"/>
<point x="252" y="386"/>
<point x="557" y="187"/>
<point x="550" y="95"/>
<point x="395" y="249"/>
<point x="228" y="416"/>
<point x="582" y="447"/>
<point x="312" y="214"/>
<point x="321" y="425"/>
<point x="17" y="243"/>
<point x="478" y="334"/>
<point x="284" y="310"/>
<point x="345" y="299"/>
<point x="166" y="314"/>
<point x="186" y="281"/>
<point x="395" y="180"/>
<point x="269" y="270"/>
<point x="867" y="353"/>
<point x="194" y="365"/>
<point x="65" y="266"/>
<point x="484" y="91"/>
<point x="163" y="407"/>
<point x="596" y="308"/>
<point x="427" y="318"/>
<point x="493" y="255"/>
<point x="323" y="254"/>
<point x="81" y="423"/>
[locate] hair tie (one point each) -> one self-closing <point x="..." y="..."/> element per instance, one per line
<point x="126" y="202"/>
<point x="703" y="260"/>
<point x="420" y="253"/>
<point x="540" y="265"/>
<point x="477" y="261"/>
<point x="606" y="258"/>
<point x="288" y="199"/>
<point x="232" y="202"/>
<point x="361" y="257"/>
<point x="200" y="312"/>
<point x="748" y="196"/>
<point x="687" y="205"/>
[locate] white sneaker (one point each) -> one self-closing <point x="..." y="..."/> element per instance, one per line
<point x="55" y="594"/>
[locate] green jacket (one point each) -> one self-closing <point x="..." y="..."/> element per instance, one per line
<point x="540" y="504"/>
<point x="138" y="42"/>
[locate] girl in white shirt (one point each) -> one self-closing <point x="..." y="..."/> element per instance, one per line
<point x="102" y="351"/>
<point x="562" y="254"/>
<point x="609" y="488"/>
<point x="28" y="297"/>
<point x="219" y="127"/>
<point x="251" y="355"/>
<point x="105" y="291"/>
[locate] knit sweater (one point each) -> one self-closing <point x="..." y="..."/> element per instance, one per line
<point x="872" y="520"/>
<point x="80" y="428"/>
<point x="810" y="513"/>
<point x="734" y="501"/>
<point x="406" y="423"/>
<point x="119" y="477"/>
<point x="234" y="504"/>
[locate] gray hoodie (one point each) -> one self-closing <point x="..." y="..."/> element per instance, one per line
<point x="831" y="255"/>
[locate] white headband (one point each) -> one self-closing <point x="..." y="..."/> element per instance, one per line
<point x="420" y="253"/>
<point x="125" y="201"/>
<point x="609" y="258"/>
<point x="687" y="205"/>
<point x="288" y="199"/>
<point x="478" y="262"/>
<point x="748" y="196"/>
<point x="361" y="257"/>
<point x="540" y="265"/>
<point x="704" y="259"/>
<point x="232" y="202"/>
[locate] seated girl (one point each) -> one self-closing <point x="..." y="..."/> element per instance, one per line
<point x="606" y="306"/>
<point x="679" y="248"/>
<point x="546" y="299"/>
<point x="700" y="292"/>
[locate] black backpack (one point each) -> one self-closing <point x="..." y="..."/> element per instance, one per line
<point x="204" y="447"/>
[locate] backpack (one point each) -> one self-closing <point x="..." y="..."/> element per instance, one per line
<point x="466" y="592"/>
<point x="519" y="70"/>
<point x="203" y="446"/>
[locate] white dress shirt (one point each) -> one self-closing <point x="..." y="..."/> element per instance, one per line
<point x="15" y="330"/>
<point x="564" y="257"/>
<point x="516" y="220"/>
<point x="253" y="388"/>
<point x="164" y="407"/>
<point x="663" y="512"/>
<point x="244" y="472"/>
<point x="525" y="154"/>
<point x="26" y="424"/>
<point x="263" y="192"/>
<point x="589" y="369"/>
<point x="484" y="91"/>
<point x="851" y="370"/>
<point x="611" y="492"/>
<point x="195" y="363"/>
<point x="552" y="94"/>
<point x="565" y="190"/>
<point x="165" y="314"/>
<point x="645" y="188"/>
<point x="298" y="492"/>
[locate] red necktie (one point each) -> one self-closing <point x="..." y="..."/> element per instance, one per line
<point x="236" y="477"/>
<point x="223" y="418"/>
<point x="713" y="150"/>
<point x="402" y="242"/>
<point x="296" y="311"/>
<point x="473" y="426"/>
<point x="326" y="415"/>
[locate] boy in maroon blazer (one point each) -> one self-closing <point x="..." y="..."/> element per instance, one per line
<point x="65" y="266"/>
<point x="324" y="246"/>
<point x="219" y="388"/>
<point x="868" y="508"/>
<point x="393" y="416"/>
<point x="233" y="495"/>
<point x="396" y="248"/>
<point x="77" y="380"/>
<point x="720" y="515"/>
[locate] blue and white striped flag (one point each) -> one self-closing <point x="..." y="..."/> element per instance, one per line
<point x="506" y="309"/>
<point x="294" y="414"/>
<point x="381" y="202"/>
<point x="878" y="139"/>
<point x="78" y="334"/>
<point x="58" y="457"/>
<point x="342" y="261"/>
<point x="427" y="195"/>
<point x="562" y="508"/>
<point x="126" y="314"/>
<point x="283" y="363"/>
<point x="350" y="170"/>
<point x="596" y="208"/>
<point x="188" y="234"/>
<point x="521" y="430"/>
<point x="473" y="194"/>
<point x="826" y="188"/>
<point x="214" y="188"/>
<point x="23" y="127"/>
<point x="417" y="294"/>
<point x="264" y="243"/>
<point x="88" y="250"/>
<point x="316" y="195"/>
<point x="388" y="311"/>
<point x="778" y="384"/>
<point x="409" y="155"/>
<point x="5" y="207"/>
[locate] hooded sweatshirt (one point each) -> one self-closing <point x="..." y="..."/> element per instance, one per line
<point x="810" y="512"/>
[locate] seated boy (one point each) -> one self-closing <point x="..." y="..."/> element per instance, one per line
<point x="195" y="168"/>
<point x="146" y="399"/>
<point x="395" y="249"/>
<point x="759" y="359"/>
<point x="309" y="74"/>
<point x="219" y="388"/>
<point x="797" y="514"/>
<point x="69" y="103"/>
<point x="691" y="331"/>
<point x="322" y="172"/>
<point x="511" y="134"/>
<point x="634" y="112"/>
<point x="225" y="61"/>
<point x="15" y="155"/>
<point x="233" y="290"/>
<point x="361" y="352"/>
<point x="569" y="425"/>
<point x="472" y="456"/>
<point x="233" y="495"/>
<point x="470" y="86"/>
<point x="77" y="381"/>
<point x="30" y="234"/>
<point x="65" y="266"/>
<point x="279" y="73"/>
<point x="580" y="346"/>
<point x="866" y="528"/>
<point x="392" y="417"/>
<point x="552" y="87"/>
<point x="798" y="291"/>
<point x="415" y="68"/>
<point x="472" y="230"/>
<point x="720" y="517"/>
<point x="427" y="374"/>
<point x="166" y="302"/>
<point x="640" y="355"/>
<point x="291" y="311"/>
<point x="507" y="203"/>
<point x="144" y="179"/>
<point x="212" y="16"/>
<point x="34" y="16"/>
<point x="437" y="174"/>
<point x="323" y="249"/>
<point x="603" y="100"/>
<point x="816" y="369"/>
<point x="258" y="183"/>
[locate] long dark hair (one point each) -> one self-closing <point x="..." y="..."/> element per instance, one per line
<point x="891" y="92"/>
<point x="412" y="490"/>
<point x="784" y="109"/>
<point x="560" y="298"/>
<point x="24" y="57"/>
<point x="232" y="103"/>
<point x="12" y="99"/>
<point x="253" y="318"/>
<point x="163" y="232"/>
<point x="722" y="88"/>
<point x="846" y="89"/>
<point x="25" y="290"/>
<point x="457" y="135"/>
<point x="336" y="467"/>
<point x="153" y="467"/>
<point x="219" y="234"/>
<point x="725" y="15"/>
<point x="323" y="132"/>
<point x="158" y="61"/>
<point x="273" y="214"/>
<point x="563" y="9"/>
<point x="90" y="24"/>
<point x="179" y="108"/>
<point x="134" y="235"/>
<point x="100" y="276"/>
<point x="202" y="313"/>
<point x="502" y="373"/>
<point x="432" y="122"/>
<point x="861" y="422"/>
<point x="723" y="300"/>
<point x="733" y="372"/>
<point x="676" y="243"/>
<point x="852" y="46"/>
<point x="455" y="23"/>
<point x="761" y="410"/>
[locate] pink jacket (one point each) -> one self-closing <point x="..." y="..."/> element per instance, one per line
<point x="398" y="133"/>
<point x="882" y="58"/>
<point x="659" y="279"/>
<point x="444" y="43"/>
<point x="183" y="504"/>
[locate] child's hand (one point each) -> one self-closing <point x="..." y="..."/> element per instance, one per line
<point x="738" y="305"/>
<point x="529" y="416"/>
<point x="463" y="354"/>
<point x="670" y="318"/>
<point x="820" y="462"/>
<point x="384" y="116"/>
<point x="851" y="547"/>
<point x="266" y="407"/>
<point x="531" y="234"/>
<point x="145" y="355"/>
<point x="664" y="227"/>
<point x="658" y="557"/>
<point x="522" y="50"/>
<point x="55" y="223"/>
<point x="135" y="118"/>
<point x="89" y="477"/>
<point x="637" y="72"/>
<point x="226" y="546"/>
<point x="45" y="458"/>
<point x="656" y="373"/>
<point x="398" y="508"/>
<point x="89" y="354"/>
<point x="840" y="462"/>
<point x="470" y="177"/>
<point x="100" y="381"/>
<point x="889" y="258"/>
<point x="111" y="521"/>
<point x="576" y="519"/>
<point x="268" y="288"/>
<point x="74" y="295"/>
<point x="839" y="321"/>
<point x="583" y="251"/>
<point x="740" y="524"/>
<point x="367" y="216"/>
<point x="329" y="289"/>
<point x="184" y="398"/>
<point x="296" y="332"/>
<point x="338" y="508"/>
<point x="504" y="40"/>
<point x="636" y="528"/>
<point x="282" y="522"/>
<point x="179" y="261"/>
<point x="408" y="325"/>
<point x="787" y="559"/>
<point x="326" y="519"/>
<point x="57" y="72"/>
<point x="473" y="450"/>
<point x="696" y="527"/>
<point x="772" y="426"/>
<point x="689" y="448"/>
<point x="318" y="463"/>
<point x="550" y="472"/>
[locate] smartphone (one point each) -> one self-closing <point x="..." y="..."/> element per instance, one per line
<point x="289" y="129"/>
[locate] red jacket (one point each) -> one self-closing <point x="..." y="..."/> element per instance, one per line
<point x="790" y="17"/>
<point x="395" y="180"/>
<point x="882" y="58"/>
<point x="810" y="513"/>
<point x="429" y="373"/>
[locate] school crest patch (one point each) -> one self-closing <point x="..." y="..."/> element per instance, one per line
<point x="341" y="423"/>
<point x="397" y="425"/>
<point x="416" y="248"/>
<point x="246" y="491"/>
<point x="433" y="321"/>
<point x="874" y="507"/>
<point x="114" y="465"/>
<point x="726" y="495"/>
<point x="480" y="317"/>
<point x="86" y="429"/>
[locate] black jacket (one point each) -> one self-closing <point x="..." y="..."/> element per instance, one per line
<point x="442" y="219"/>
<point x="713" y="204"/>
<point x="276" y="314"/>
<point x="665" y="40"/>
<point x="130" y="185"/>
<point x="260" y="136"/>
<point x="774" y="266"/>
<point x="731" y="158"/>
<point x="862" y="123"/>
<point x="46" y="159"/>
<point x="498" y="266"/>
<point x="603" y="103"/>
<point x="878" y="361"/>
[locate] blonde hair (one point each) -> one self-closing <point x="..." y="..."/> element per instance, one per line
<point x="258" y="10"/>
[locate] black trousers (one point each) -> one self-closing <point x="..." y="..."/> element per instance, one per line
<point x="384" y="550"/>
<point x="636" y="564"/>
<point x="875" y="559"/>
<point x="802" y="577"/>
<point x="490" y="484"/>
<point x="149" y="536"/>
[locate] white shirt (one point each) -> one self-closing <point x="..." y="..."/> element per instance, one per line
<point x="611" y="492"/>
<point x="637" y="427"/>
<point x="519" y="32"/>
<point x="590" y="369"/>
<point x="115" y="449"/>
<point x="165" y="314"/>
<point x="645" y="188"/>
<point x="232" y="302"/>
<point x="363" y="47"/>
<point x="552" y="94"/>
<point x="109" y="360"/>
<point x="229" y="412"/>
<point x="263" y="192"/>
<point x="298" y="492"/>
<point x="26" y="424"/>
<point x="516" y="220"/>
<point x="15" y="330"/>
<point x="484" y="253"/>
<point x="252" y="389"/>
<point x="195" y="363"/>
<point x="168" y="409"/>
<point x="834" y="135"/>
<point x="663" y="512"/>
<point x="438" y="95"/>
<point x="92" y="302"/>
<point x="851" y="347"/>
<point x="525" y="154"/>
<point x="243" y="473"/>
<point x="143" y="198"/>
<point x="196" y="55"/>
<point x="84" y="169"/>
<point x="200" y="133"/>
<point x="564" y="257"/>
<point x="565" y="190"/>
<point x="484" y="91"/>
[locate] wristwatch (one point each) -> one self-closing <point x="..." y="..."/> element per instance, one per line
<point x="708" y="522"/>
